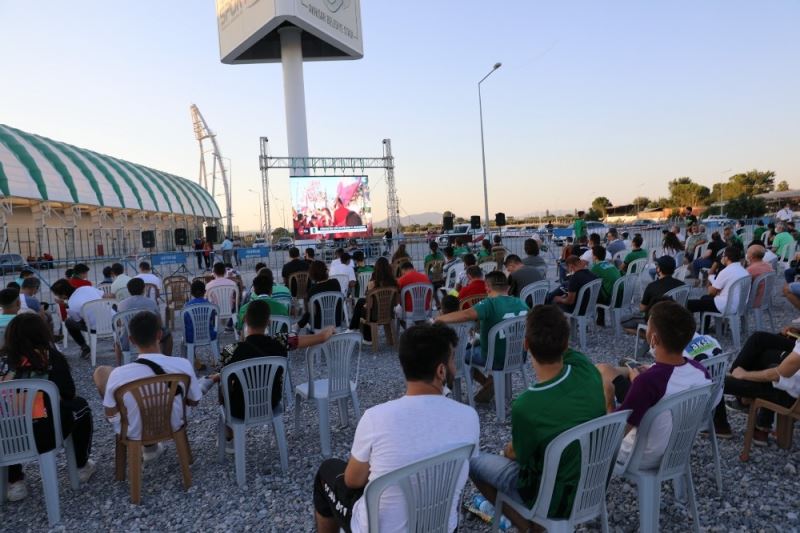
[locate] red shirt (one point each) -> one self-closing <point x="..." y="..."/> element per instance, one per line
<point x="474" y="287"/>
<point x="78" y="282"/>
<point x="413" y="277"/>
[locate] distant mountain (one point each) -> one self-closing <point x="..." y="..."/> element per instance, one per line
<point x="429" y="217"/>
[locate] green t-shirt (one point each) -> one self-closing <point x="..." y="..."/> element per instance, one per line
<point x="579" y="226"/>
<point x="543" y="412"/>
<point x="632" y="256"/>
<point x="461" y="250"/>
<point x="276" y="308"/>
<point x="782" y="240"/>
<point x="359" y="270"/>
<point x="759" y="232"/>
<point x="433" y="257"/>
<point x="484" y="253"/>
<point x="491" y="311"/>
<point x="609" y="274"/>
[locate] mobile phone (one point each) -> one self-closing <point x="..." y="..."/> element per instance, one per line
<point x="630" y="363"/>
<point x="793" y="334"/>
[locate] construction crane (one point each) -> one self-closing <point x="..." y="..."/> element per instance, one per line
<point x="207" y="141"/>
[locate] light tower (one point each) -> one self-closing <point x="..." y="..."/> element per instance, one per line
<point x="218" y="171"/>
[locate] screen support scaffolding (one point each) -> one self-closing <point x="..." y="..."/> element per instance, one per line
<point x="330" y="166"/>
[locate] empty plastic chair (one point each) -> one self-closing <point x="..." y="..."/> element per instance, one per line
<point x="535" y="293"/>
<point x="717" y="367"/>
<point x="586" y="299"/>
<point x="98" y="316"/>
<point x="18" y="444"/>
<point x="338" y="385"/>
<point x="462" y="369"/>
<point x="200" y="317"/>
<point x="688" y="410"/>
<point x="734" y="312"/>
<point x="256" y="379"/>
<point x="599" y="441"/>
<point x="488" y="266"/>
<point x="329" y="308"/>
<point x="420" y="296"/>
<point x="428" y="487"/>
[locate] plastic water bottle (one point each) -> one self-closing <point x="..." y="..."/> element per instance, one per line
<point x="485" y="506"/>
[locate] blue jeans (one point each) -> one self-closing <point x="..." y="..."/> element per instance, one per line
<point x="474" y="356"/>
<point x="699" y="264"/>
<point x="498" y="471"/>
<point x="789" y="274"/>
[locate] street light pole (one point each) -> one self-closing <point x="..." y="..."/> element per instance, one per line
<point x="483" y="151"/>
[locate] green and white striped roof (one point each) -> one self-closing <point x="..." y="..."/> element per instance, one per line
<point x="38" y="168"/>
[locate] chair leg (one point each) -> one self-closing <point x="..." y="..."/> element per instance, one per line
<point x="748" y="435"/>
<point x="93" y="348"/>
<point x="49" y="472"/>
<point x="221" y="437"/>
<point x="649" y="504"/>
<point x="582" y="334"/>
<point x="280" y="438"/>
<point x="457" y="389"/>
<point x="692" y="500"/>
<point x="3" y="483"/>
<point x="184" y="455"/>
<point x="373" y="329"/>
<point x="120" y="460"/>
<point x="72" y="464"/>
<point x="499" y="396"/>
<point x="135" y="470"/>
<point x="324" y="426"/>
<point x="735" y="323"/>
<point x="356" y="406"/>
<point x="712" y="435"/>
<point x="342" y="402"/>
<point x="190" y="353"/>
<point x="468" y="386"/>
<point x="784" y="427"/>
<point x="604" y="517"/>
<point x="239" y="446"/>
<point x="287" y="386"/>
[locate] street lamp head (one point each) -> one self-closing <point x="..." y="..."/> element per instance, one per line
<point x="497" y="65"/>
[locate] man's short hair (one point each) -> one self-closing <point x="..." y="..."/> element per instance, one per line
<point x="449" y="251"/>
<point x="497" y="281"/>
<point x="637" y="240"/>
<point x="733" y="253"/>
<point x="531" y="247"/>
<point x="135" y="286"/>
<point x="474" y="272"/>
<point x="144" y="265"/>
<point x="450" y="304"/>
<point x="469" y="259"/>
<point x="512" y="259"/>
<point x="62" y="288"/>
<point x="262" y="284"/>
<point x="198" y="288"/>
<point x="80" y="268"/>
<point x="219" y="269"/>
<point x="257" y="315"/>
<point x="547" y="333"/>
<point x="423" y="348"/>
<point x="497" y="239"/>
<point x="294" y="252"/>
<point x="8" y="297"/>
<point x="117" y="269"/>
<point x="756" y="250"/>
<point x="107" y="272"/>
<point x="599" y="252"/>
<point x="143" y="328"/>
<point x="434" y="246"/>
<point x="572" y="260"/>
<point x="338" y="252"/>
<point x="673" y="324"/>
<point x="345" y="258"/>
<point x="310" y="252"/>
<point x="613" y="232"/>
<point x="31" y="283"/>
<point x="406" y="266"/>
<point x="358" y="256"/>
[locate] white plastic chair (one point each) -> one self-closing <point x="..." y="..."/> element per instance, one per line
<point x="512" y="331"/>
<point x="106" y="288"/>
<point x="362" y="279"/>
<point x="679" y="295"/>
<point x="428" y="487"/>
<point x="18" y="444"/>
<point x="119" y="324"/>
<point x="335" y="386"/>
<point x="256" y="379"/>
<point x="637" y="266"/>
<point x="327" y="304"/>
<point x="279" y="324"/>
<point x="421" y="295"/>
<point x="688" y="410"/>
<point x="451" y="279"/>
<point x="620" y="301"/>
<point x="739" y="292"/>
<point x="766" y="283"/>
<point x="226" y="298"/>
<point x="344" y="282"/>
<point x="535" y="293"/>
<point x="587" y="294"/>
<point x="488" y="266"/>
<point x="98" y="316"/>
<point x="200" y="319"/>
<point x="717" y="367"/>
<point x="599" y="440"/>
<point x="681" y="272"/>
<point x="462" y="369"/>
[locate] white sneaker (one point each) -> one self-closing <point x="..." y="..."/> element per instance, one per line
<point x="17" y="491"/>
<point x="151" y="453"/>
<point x="87" y="471"/>
<point x="229" y="448"/>
<point x="796" y="320"/>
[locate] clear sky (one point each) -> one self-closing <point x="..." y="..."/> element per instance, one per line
<point x="594" y="98"/>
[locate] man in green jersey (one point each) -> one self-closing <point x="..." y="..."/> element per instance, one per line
<point x="569" y="392"/>
<point x="579" y="226"/>
<point x="637" y="252"/>
<point x="782" y="240"/>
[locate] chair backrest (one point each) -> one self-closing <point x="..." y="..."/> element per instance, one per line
<point x="325" y="304"/>
<point x="589" y="294"/>
<point x="200" y="318"/>
<point x="679" y="294"/>
<point x="363" y="280"/>
<point x="619" y="297"/>
<point x="226" y="298"/>
<point x="688" y="411"/>
<point x="151" y="291"/>
<point x="599" y="441"/>
<point x="298" y="284"/>
<point x="420" y="295"/>
<point x="154" y="396"/>
<point x="512" y="330"/>
<point x="119" y="324"/>
<point x="619" y="256"/>
<point x="256" y="378"/>
<point x="17" y="397"/>
<point x="344" y="282"/>
<point x="279" y="324"/>
<point x="105" y="287"/>
<point x="700" y="250"/>
<point x="737" y="297"/>
<point x="681" y="272"/>
<point x="470" y="301"/>
<point x="488" y="266"/>
<point x="717" y="367"/>
<point x="380" y="304"/>
<point x="535" y="293"/>
<point x="764" y="284"/>
<point x="100" y="314"/>
<point x="428" y="487"/>
<point x="338" y="353"/>
<point x="637" y="266"/>
<point x="452" y="276"/>
<point x="679" y="258"/>
<point x="434" y="269"/>
<point x="177" y="290"/>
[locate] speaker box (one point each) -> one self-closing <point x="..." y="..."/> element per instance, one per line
<point x="500" y="219"/>
<point x="475" y="222"/>
<point x="211" y="233"/>
<point x="148" y="239"/>
<point x="181" y="239"/>
<point x="447" y="223"/>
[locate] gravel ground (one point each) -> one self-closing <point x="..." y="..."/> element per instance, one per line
<point x="761" y="495"/>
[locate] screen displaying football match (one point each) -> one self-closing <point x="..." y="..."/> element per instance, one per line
<point x="331" y="207"/>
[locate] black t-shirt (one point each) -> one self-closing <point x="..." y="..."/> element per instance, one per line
<point x="576" y="281"/>
<point x="658" y="289"/>
<point x="295" y="265"/>
<point x="329" y="285"/>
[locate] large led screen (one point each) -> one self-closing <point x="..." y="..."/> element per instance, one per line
<point x="331" y="207"/>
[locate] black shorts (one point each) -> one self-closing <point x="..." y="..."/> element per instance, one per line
<point x="621" y="386"/>
<point x="332" y="498"/>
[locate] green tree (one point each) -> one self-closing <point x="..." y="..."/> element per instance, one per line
<point x="782" y="186"/>
<point x="593" y="214"/>
<point x="601" y="205"/>
<point x="745" y="183"/>
<point x="277" y="233"/>
<point x="641" y="202"/>
<point x="744" y="206"/>
<point x="683" y="191"/>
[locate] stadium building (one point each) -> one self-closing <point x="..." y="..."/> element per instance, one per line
<point x="70" y="202"/>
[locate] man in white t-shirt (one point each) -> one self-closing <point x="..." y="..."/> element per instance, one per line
<point x="119" y="287"/>
<point x="344" y="267"/>
<point x="146" y="274"/>
<point x="719" y="292"/>
<point x="786" y="214"/>
<point x="144" y="331"/>
<point x="397" y="433"/>
<point x="75" y="300"/>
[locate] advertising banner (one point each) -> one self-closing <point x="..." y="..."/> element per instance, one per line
<point x="331" y="207"/>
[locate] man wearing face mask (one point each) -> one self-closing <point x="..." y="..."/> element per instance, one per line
<point x="397" y="433"/>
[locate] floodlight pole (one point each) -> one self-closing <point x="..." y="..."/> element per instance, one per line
<point x="294" y="95"/>
<point x="483" y="152"/>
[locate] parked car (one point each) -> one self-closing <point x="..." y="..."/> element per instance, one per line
<point x="460" y="230"/>
<point x="12" y="263"/>
<point x="260" y="242"/>
<point x="284" y="243"/>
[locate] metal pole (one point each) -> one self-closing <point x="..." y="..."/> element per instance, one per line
<point x="294" y="95"/>
<point x="483" y="152"/>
